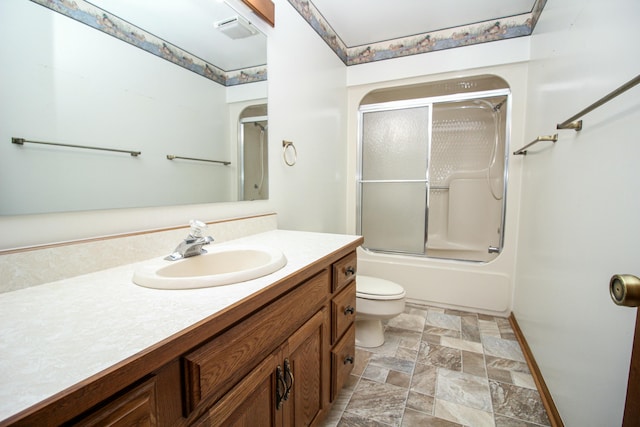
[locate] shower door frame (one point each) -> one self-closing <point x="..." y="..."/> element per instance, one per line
<point x="429" y="102"/>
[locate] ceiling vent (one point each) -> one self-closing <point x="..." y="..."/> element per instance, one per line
<point x="236" y="27"/>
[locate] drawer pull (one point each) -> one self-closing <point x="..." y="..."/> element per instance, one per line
<point x="288" y="379"/>
<point x="349" y="271"/>
<point x="349" y="310"/>
<point x="281" y="387"/>
<point x="348" y="359"/>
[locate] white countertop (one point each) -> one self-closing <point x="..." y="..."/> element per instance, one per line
<point x="55" y="335"/>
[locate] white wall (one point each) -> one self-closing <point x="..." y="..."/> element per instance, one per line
<point x="580" y="204"/>
<point x="307" y="103"/>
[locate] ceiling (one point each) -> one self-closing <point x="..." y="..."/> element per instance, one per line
<point x="357" y="30"/>
<point x="190" y="25"/>
<point x="362" y="22"/>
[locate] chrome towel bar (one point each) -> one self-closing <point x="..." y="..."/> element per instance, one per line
<point x="171" y="157"/>
<point x="21" y="141"/>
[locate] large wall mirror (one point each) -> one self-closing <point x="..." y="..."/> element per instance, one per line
<point x="108" y="79"/>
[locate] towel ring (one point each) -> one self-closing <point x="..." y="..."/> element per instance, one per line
<point x="287" y="159"/>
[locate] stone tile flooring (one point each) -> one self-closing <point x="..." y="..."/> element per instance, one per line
<point x="441" y="368"/>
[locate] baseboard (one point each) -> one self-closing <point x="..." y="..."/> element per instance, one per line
<point x="545" y="395"/>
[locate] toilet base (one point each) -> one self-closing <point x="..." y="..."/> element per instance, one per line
<point x="369" y="333"/>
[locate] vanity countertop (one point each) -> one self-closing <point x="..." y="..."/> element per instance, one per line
<point x="58" y="334"/>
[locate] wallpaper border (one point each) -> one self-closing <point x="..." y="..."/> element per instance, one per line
<point x="99" y="19"/>
<point x="482" y="32"/>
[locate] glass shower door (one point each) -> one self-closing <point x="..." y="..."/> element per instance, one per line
<point x="393" y="184"/>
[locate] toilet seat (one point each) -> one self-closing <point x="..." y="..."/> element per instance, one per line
<point x="374" y="288"/>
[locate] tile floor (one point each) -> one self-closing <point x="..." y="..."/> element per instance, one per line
<point x="444" y="368"/>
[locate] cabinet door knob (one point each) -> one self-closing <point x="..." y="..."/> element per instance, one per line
<point x="349" y="310"/>
<point x="348" y="359"/>
<point x="349" y="271"/>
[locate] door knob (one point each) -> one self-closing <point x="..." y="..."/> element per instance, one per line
<point x="625" y="290"/>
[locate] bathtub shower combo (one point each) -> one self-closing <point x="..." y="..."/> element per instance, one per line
<point x="253" y="132"/>
<point x="432" y="172"/>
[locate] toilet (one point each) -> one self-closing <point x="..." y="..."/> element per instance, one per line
<point x="376" y="300"/>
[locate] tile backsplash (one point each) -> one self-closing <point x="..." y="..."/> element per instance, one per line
<point x="35" y="266"/>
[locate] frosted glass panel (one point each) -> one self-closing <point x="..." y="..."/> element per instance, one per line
<point x="461" y="143"/>
<point x="395" y="144"/>
<point x="393" y="216"/>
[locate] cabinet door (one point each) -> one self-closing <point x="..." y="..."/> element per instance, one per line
<point x="307" y="372"/>
<point x="252" y="402"/>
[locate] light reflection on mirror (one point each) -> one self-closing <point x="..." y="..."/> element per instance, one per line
<point x="69" y="82"/>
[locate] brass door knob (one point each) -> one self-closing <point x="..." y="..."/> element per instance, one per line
<point x="625" y="290"/>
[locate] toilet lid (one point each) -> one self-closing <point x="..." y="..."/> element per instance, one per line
<point x="376" y="288"/>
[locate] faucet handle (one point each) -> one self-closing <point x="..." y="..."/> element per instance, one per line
<point x="197" y="228"/>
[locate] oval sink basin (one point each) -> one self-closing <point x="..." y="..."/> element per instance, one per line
<point x="222" y="265"/>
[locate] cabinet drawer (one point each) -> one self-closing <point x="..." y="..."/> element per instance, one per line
<point x="343" y="311"/>
<point x="344" y="271"/>
<point x="212" y="369"/>
<point x="136" y="407"/>
<point x="342" y="360"/>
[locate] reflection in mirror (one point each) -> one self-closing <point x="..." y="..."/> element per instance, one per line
<point x="253" y="162"/>
<point x="128" y="76"/>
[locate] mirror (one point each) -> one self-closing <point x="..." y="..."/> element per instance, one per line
<point x="103" y="78"/>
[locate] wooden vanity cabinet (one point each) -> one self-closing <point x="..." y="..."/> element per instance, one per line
<point x="295" y="385"/>
<point x="289" y="387"/>
<point x="343" y="314"/>
<point x="275" y="359"/>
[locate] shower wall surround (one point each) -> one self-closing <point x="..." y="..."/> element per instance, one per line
<point x="477" y="286"/>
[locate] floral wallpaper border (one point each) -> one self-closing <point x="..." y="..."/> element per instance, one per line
<point x="102" y="20"/>
<point x="505" y="28"/>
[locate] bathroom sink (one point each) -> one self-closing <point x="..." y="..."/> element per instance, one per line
<point x="223" y="265"/>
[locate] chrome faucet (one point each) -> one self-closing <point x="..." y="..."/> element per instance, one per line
<point x="193" y="243"/>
